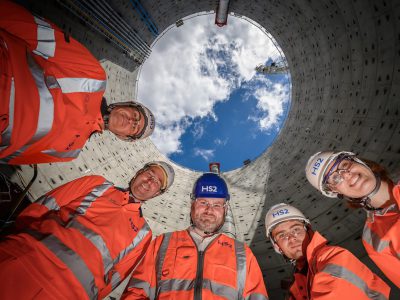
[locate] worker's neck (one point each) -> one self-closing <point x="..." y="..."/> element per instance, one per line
<point x="202" y="233"/>
<point x="300" y="263"/>
<point x="384" y="197"/>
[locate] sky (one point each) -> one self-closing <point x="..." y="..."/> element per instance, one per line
<point x="209" y="102"/>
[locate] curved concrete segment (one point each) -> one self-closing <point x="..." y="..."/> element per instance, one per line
<point x="344" y="58"/>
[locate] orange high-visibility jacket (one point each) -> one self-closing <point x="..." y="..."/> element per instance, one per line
<point x="78" y="242"/>
<point x="51" y="89"/>
<point x="335" y="273"/>
<point x="173" y="268"/>
<point x="381" y="238"/>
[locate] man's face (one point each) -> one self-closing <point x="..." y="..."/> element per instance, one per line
<point x="148" y="183"/>
<point x="351" y="179"/>
<point x="290" y="236"/>
<point x="208" y="214"/>
<point x="125" y="121"/>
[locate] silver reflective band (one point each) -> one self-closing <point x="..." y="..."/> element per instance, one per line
<point x="52" y="82"/>
<point x="345" y="274"/>
<point x="145" y="286"/>
<point x="81" y="85"/>
<point x="374" y="240"/>
<point x="187" y="285"/>
<point x="66" y="154"/>
<point x="241" y="267"/>
<point x="143" y="232"/>
<point x="48" y="201"/>
<point x="92" y="196"/>
<point x="46" y="106"/>
<point x="6" y="134"/>
<point x="14" y="155"/>
<point x="174" y="285"/>
<point x="115" y="280"/>
<point x="46" y="46"/>
<point x="161" y="254"/>
<point x="71" y="259"/>
<point x="96" y="240"/>
<point x="221" y="290"/>
<point x="256" y="297"/>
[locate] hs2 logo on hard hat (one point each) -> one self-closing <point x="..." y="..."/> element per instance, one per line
<point x="209" y="188"/>
<point x="280" y="213"/>
<point x="317" y="165"/>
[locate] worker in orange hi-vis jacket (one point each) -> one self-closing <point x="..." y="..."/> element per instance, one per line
<point x="82" y="239"/>
<point x="200" y="262"/>
<point x="321" y="271"/>
<point x="51" y="90"/>
<point x="364" y="184"/>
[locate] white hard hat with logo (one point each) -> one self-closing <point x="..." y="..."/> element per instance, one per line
<point x="317" y="166"/>
<point x="280" y="213"/>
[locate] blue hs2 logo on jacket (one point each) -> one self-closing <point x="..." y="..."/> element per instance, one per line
<point x="280" y="213"/>
<point x="209" y="188"/>
<point x="317" y="165"/>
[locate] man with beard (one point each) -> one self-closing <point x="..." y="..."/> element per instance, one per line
<point x="321" y="271"/>
<point x="199" y="262"/>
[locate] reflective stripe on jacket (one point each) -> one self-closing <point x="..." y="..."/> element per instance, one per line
<point x="174" y="269"/>
<point x="381" y="239"/>
<point x="335" y="273"/>
<point x="50" y="90"/>
<point x="84" y="235"/>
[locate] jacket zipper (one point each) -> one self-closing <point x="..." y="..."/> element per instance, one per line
<point x="198" y="283"/>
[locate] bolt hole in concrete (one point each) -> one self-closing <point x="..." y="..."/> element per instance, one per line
<point x="219" y="93"/>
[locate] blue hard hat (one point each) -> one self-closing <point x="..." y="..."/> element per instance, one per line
<point x="210" y="185"/>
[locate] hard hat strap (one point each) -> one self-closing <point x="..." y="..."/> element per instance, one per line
<point x="365" y="201"/>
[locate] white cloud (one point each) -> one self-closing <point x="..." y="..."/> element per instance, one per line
<point x="220" y="142"/>
<point x="206" y="154"/>
<point x="271" y="101"/>
<point x="195" y="66"/>
<point x="168" y="138"/>
<point x="198" y="131"/>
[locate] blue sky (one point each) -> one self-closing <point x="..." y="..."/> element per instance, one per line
<point x="209" y="103"/>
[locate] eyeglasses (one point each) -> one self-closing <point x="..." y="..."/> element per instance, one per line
<point x="335" y="177"/>
<point x="204" y="203"/>
<point x="135" y="120"/>
<point x="295" y="231"/>
<point x="150" y="175"/>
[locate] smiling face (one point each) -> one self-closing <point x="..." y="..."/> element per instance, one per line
<point x="125" y="121"/>
<point x="358" y="181"/>
<point x="147" y="183"/>
<point x="290" y="236"/>
<point x="207" y="218"/>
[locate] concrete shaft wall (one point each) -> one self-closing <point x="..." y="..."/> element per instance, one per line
<point x="344" y="58"/>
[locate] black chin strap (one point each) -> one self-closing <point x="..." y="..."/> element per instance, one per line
<point x="365" y="201"/>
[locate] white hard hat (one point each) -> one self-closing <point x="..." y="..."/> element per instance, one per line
<point x="169" y="173"/>
<point x="317" y="166"/>
<point x="280" y="213"/>
<point x="149" y="120"/>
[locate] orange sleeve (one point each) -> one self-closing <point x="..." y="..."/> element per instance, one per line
<point x="19" y="22"/>
<point x="70" y="194"/>
<point x="142" y="284"/>
<point x="71" y="58"/>
<point x="254" y="285"/>
<point x="339" y="274"/>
